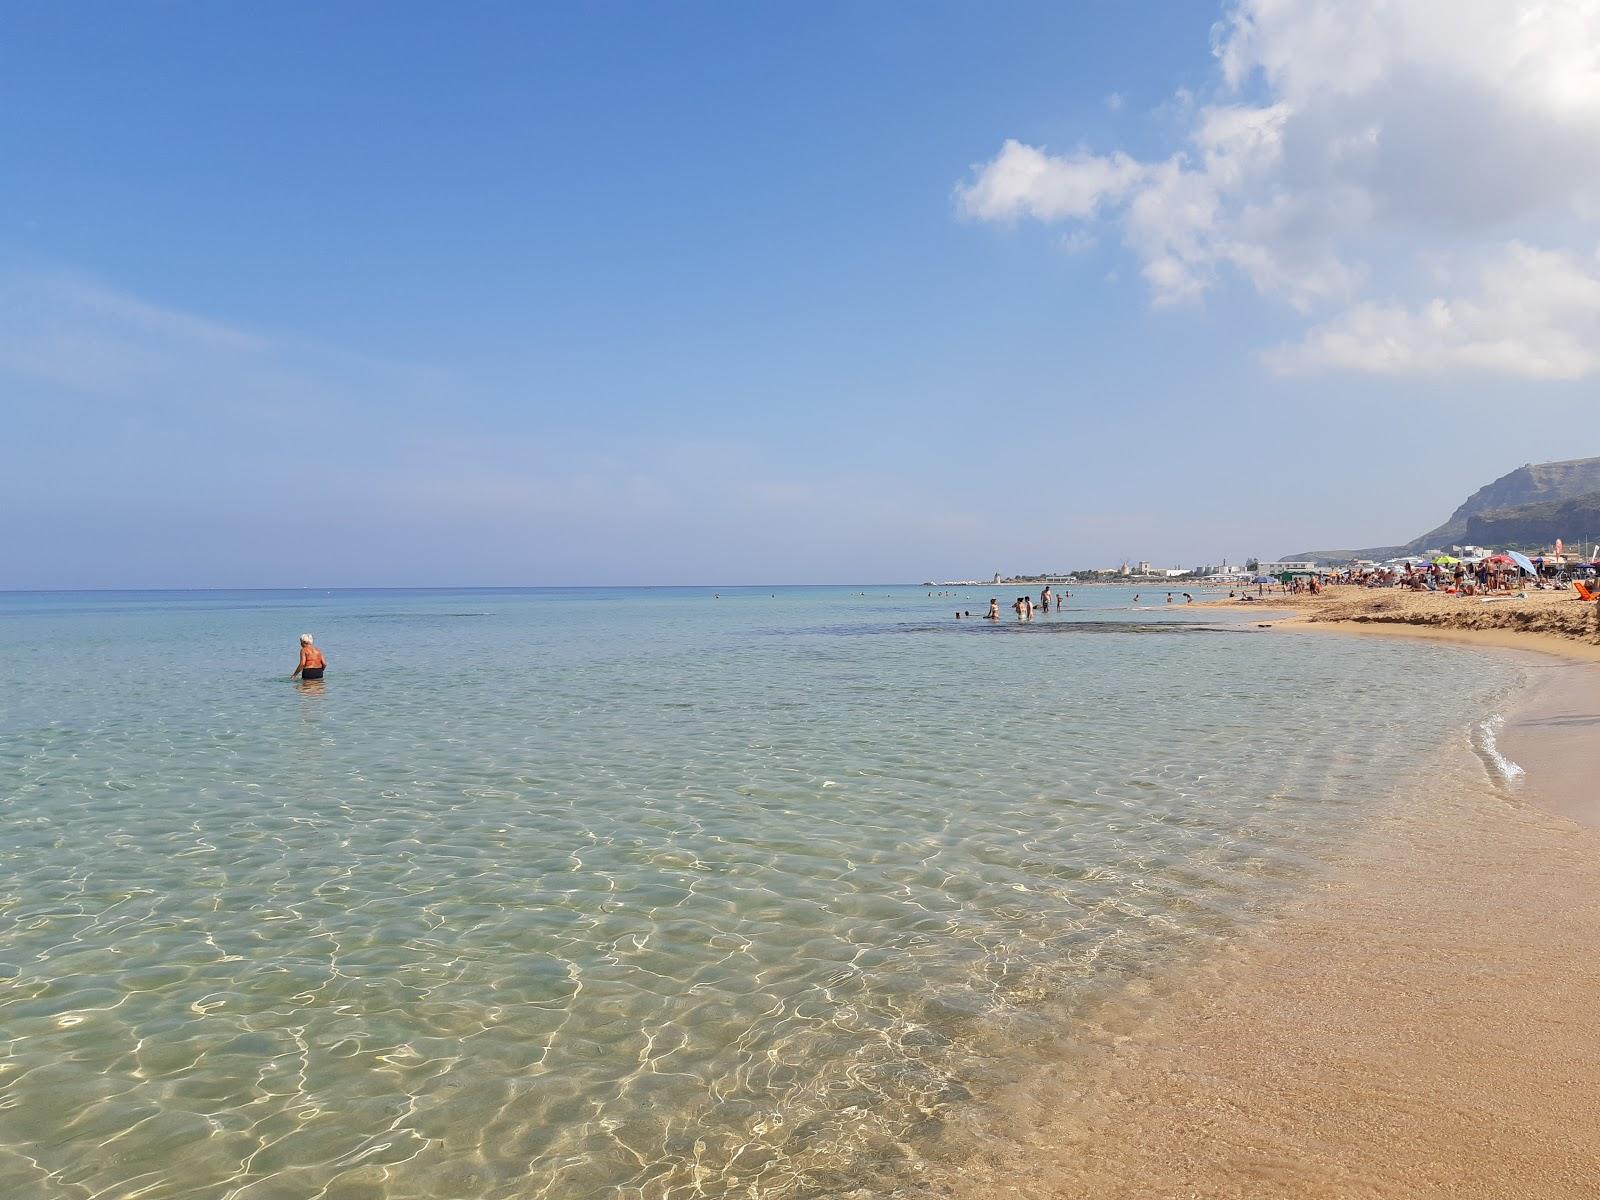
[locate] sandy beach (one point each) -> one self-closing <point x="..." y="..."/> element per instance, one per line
<point x="1420" y="1024"/>
<point x="1554" y="621"/>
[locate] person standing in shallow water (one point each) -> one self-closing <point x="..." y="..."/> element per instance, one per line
<point x="312" y="664"/>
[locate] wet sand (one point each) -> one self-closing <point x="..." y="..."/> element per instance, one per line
<point x="1423" y="1023"/>
<point x="1555" y="735"/>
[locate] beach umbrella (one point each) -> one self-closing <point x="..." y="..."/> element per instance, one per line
<point x="1445" y="559"/>
<point x="1521" y="560"/>
<point x="1263" y="579"/>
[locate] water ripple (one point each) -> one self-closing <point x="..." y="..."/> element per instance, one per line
<point x="551" y="905"/>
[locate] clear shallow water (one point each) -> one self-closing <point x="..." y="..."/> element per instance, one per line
<point x="575" y="893"/>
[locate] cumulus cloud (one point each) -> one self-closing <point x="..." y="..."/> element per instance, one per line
<point x="1533" y="313"/>
<point x="1468" y="128"/>
<point x="1023" y="181"/>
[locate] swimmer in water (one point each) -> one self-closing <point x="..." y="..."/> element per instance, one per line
<point x="311" y="663"/>
<point x="994" y="611"/>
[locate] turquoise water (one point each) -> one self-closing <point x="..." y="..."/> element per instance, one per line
<point x="573" y="893"/>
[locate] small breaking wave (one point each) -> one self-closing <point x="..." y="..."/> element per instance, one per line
<point x="1487" y="742"/>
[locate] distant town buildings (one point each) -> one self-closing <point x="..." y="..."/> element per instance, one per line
<point x="1143" y="570"/>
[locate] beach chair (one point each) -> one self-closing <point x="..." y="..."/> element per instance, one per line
<point x="1583" y="590"/>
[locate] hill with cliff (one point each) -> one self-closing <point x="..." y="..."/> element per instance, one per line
<point x="1538" y="525"/>
<point x="1531" y="506"/>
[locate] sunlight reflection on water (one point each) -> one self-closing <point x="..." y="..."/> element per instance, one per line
<point x="617" y="891"/>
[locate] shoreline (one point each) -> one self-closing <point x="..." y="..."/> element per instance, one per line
<point x="1500" y="639"/>
<point x="1539" y="726"/>
<point x="1553" y="621"/>
<point x="1560" y="705"/>
<point x="1418" y="1023"/>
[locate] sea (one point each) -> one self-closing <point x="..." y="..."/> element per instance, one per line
<point x="654" y="892"/>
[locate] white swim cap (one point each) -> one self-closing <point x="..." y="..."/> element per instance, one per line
<point x="305" y="639"/>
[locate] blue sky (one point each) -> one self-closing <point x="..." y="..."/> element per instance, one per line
<point x="368" y="294"/>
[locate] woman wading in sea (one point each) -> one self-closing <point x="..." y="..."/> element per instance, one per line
<point x="312" y="663"/>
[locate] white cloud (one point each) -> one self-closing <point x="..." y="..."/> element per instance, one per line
<point x="1333" y="128"/>
<point x="1114" y="101"/>
<point x="1466" y="112"/>
<point x="1022" y="181"/>
<point x="1183" y="216"/>
<point x="1534" y="313"/>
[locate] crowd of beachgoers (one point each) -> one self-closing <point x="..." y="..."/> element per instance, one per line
<point x="1477" y="596"/>
<point x="1488" y="575"/>
<point x="1024" y="607"/>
